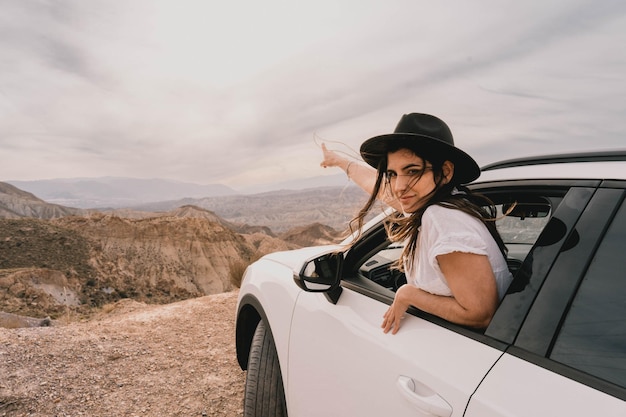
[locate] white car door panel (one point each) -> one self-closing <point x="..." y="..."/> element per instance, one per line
<point x="356" y="369"/>
<point x="517" y="388"/>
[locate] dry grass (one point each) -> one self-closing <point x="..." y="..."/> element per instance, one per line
<point x="237" y="267"/>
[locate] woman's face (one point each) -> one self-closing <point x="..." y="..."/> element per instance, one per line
<point x="411" y="178"/>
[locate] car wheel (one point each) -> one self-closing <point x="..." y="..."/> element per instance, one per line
<point x="264" y="394"/>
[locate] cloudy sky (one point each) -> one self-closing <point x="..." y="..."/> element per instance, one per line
<point x="242" y="92"/>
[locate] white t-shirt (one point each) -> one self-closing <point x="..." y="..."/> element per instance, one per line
<point x="445" y="230"/>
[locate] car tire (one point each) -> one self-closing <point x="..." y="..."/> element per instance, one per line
<point x="264" y="393"/>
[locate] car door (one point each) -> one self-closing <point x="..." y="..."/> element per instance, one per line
<point x="569" y="358"/>
<point x="342" y="364"/>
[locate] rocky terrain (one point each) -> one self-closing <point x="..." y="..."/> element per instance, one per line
<point x="70" y="265"/>
<point x="131" y="359"/>
<point x="56" y="263"/>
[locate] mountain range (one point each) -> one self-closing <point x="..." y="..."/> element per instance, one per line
<point x="122" y="192"/>
<point x="17" y="203"/>
<point x="55" y="258"/>
<point x="115" y="192"/>
<point x="280" y="210"/>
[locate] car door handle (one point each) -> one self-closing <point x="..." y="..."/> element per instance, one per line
<point x="423" y="397"/>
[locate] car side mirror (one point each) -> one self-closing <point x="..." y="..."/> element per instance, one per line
<point x="322" y="274"/>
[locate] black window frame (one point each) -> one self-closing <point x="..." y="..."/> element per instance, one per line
<point x="515" y="306"/>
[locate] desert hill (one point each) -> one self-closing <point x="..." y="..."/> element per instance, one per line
<point x="15" y="203"/>
<point x="55" y="259"/>
<point x="79" y="263"/>
<point x="316" y="234"/>
<point x="48" y="266"/>
<point x="279" y="210"/>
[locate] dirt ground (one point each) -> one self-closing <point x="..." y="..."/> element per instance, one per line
<point x="130" y="360"/>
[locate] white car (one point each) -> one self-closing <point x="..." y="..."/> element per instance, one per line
<point x="309" y="321"/>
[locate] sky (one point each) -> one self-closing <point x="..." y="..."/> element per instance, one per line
<point x="243" y="92"/>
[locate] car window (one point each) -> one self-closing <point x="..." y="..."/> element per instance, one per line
<point x="518" y="229"/>
<point x="380" y="268"/>
<point x="520" y="220"/>
<point x="592" y="337"/>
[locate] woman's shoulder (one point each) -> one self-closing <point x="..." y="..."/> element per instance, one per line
<point x="441" y="215"/>
<point x="437" y="210"/>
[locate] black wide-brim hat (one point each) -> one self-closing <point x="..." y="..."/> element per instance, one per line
<point x="427" y="136"/>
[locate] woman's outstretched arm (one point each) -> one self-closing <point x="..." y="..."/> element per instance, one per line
<point x="361" y="174"/>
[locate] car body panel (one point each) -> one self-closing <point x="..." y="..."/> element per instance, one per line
<point x="356" y="369"/>
<point x="269" y="282"/>
<point x="263" y="288"/>
<point x="294" y="259"/>
<point x="515" y="389"/>
<point x="580" y="170"/>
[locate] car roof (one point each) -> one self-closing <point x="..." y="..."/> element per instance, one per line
<point x="589" y="165"/>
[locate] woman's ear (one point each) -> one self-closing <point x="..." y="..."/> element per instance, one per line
<point x="448" y="171"/>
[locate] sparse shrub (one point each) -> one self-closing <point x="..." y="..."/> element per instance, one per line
<point x="236" y="268"/>
<point x="107" y="308"/>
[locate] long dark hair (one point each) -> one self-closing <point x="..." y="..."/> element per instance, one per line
<point x="403" y="228"/>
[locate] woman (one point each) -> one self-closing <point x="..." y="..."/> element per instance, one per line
<point x="454" y="258"/>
